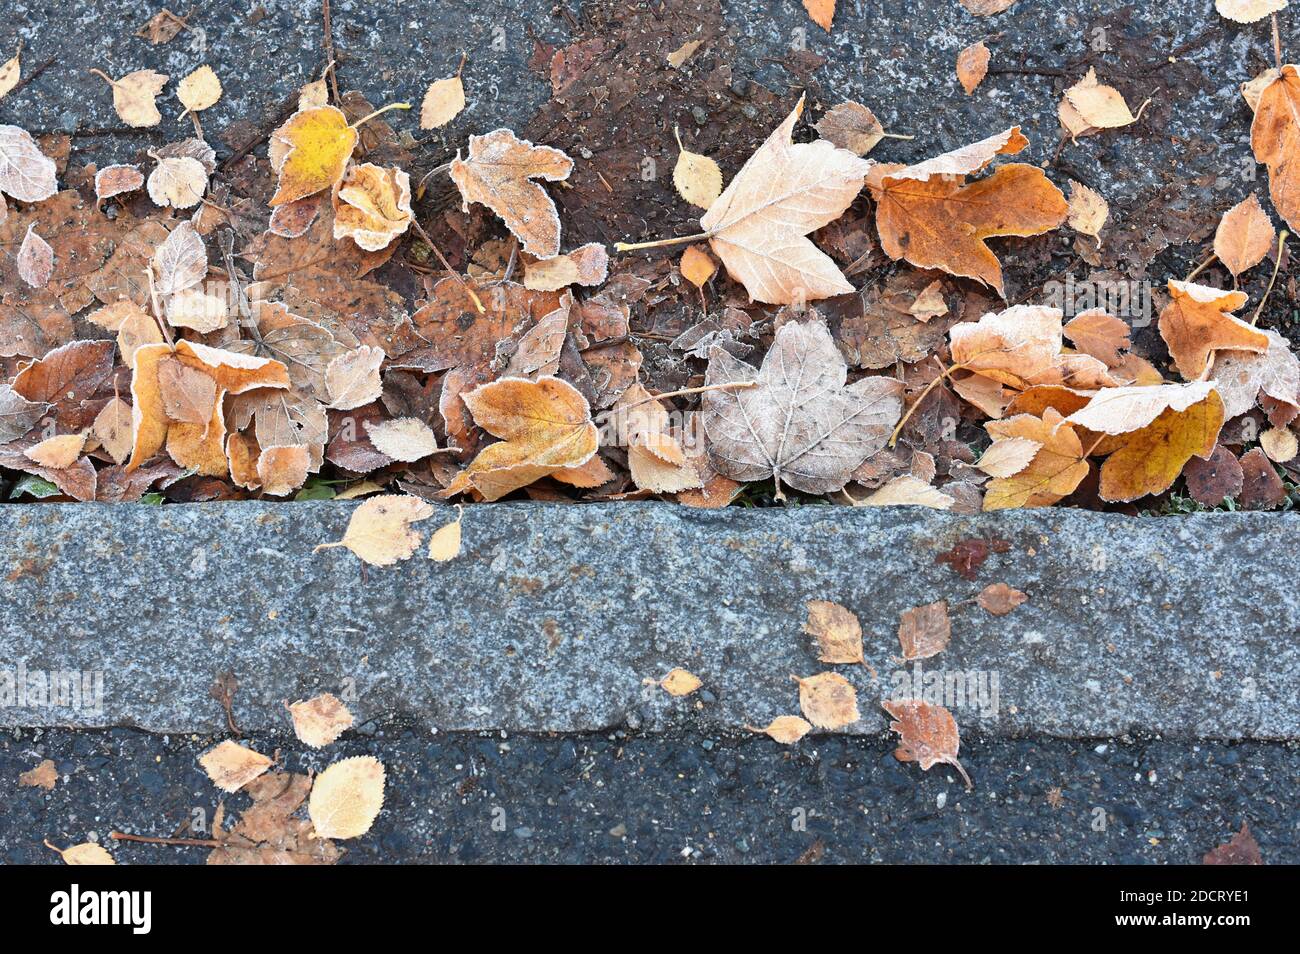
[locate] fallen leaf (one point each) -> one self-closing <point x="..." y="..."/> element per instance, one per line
<point x="1241" y="849"/>
<point x="972" y="66"/>
<point x="1244" y="236"/>
<point x="683" y="53"/>
<point x="655" y="457"/>
<point x="372" y="205"/>
<point x="9" y="74"/>
<point x="1243" y="377"/>
<point x="59" y="452"/>
<point x="1279" y="443"/>
<point x="1275" y="140"/>
<point x="1099" y="334"/>
<point x="1214" y="479"/>
<point x="499" y="173"/>
<point x="1000" y="599"/>
<point x="985" y="8"/>
<point x="837" y="631"/>
<point x="317" y="144"/>
<point x="320" y="720"/>
<point x="927" y="734"/>
<point x="346" y="797"/>
<point x="162" y="27"/>
<point x="380" y="529"/>
<point x="1088" y="211"/>
<point x="679" y="682"/>
<point x="35" y="259"/>
<point x="697" y="177"/>
<point x="1008" y="456"/>
<point x="116" y="180"/>
<point x="697" y="266"/>
<point x="851" y="126"/>
<point x="134" y="96"/>
<point x="196" y="309"/>
<point x="112" y="427"/>
<point x="87" y="853"/>
<point x="181" y="261"/>
<point x="924" y="631"/>
<point x="26" y="173"/>
<point x="1089" y="106"/>
<point x="545" y="426"/>
<point x="231" y="766"/>
<point x="1056" y="469"/>
<point x="43" y="776"/>
<point x="906" y="491"/>
<point x="588" y="266"/>
<point x="443" y="101"/>
<point x="821" y="11"/>
<point x="352" y="379"/>
<point x="804" y="428"/>
<point x="177" y="182"/>
<point x="1021" y="347"/>
<point x="405" y="438"/>
<point x="1247" y="11"/>
<point x="760" y="233"/>
<point x="930" y="303"/>
<point x="1261" y="488"/>
<point x="445" y="542"/>
<point x="234" y="373"/>
<point x="928" y="215"/>
<point x="785" y="729"/>
<point x="828" y="700"/>
<point x="1196" y="323"/>
<point x="199" y="90"/>
<point x="282" y="469"/>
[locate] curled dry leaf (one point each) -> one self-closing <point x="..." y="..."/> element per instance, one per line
<point x="87" y="853"/>
<point x="231" y="766"/>
<point x="1279" y="444"/>
<point x="43" y="776"/>
<point x="1244" y="236"/>
<point x="1196" y="323"/>
<point x="405" y="438"/>
<point x="134" y="96"/>
<point x="588" y="265"/>
<point x="761" y="239"/>
<point x="972" y="66"/>
<point x="372" y="205"/>
<point x="445" y="542"/>
<point x="1021" y="347"/>
<point x="314" y="146"/>
<point x="320" y="720"/>
<point x="26" y="173"/>
<point x="924" y="631"/>
<point x="545" y="426"/>
<point x="1243" y="377"/>
<point x="352" y="379"/>
<point x="828" y="700"/>
<point x="837" y="631"/>
<point x="35" y="259"/>
<point x="1275" y="140"/>
<point x="930" y="216"/>
<point x="116" y="180"/>
<point x="679" y="682"/>
<point x="655" y="457"/>
<point x="346" y="797"/>
<point x="443" y="101"/>
<point x="499" y="172"/>
<point x="1000" y="599"/>
<point x="199" y="90"/>
<point x="851" y="126"/>
<point x="178" y="182"/>
<point x="785" y="729"/>
<point x="800" y="425"/>
<point x="380" y="529"/>
<point x="697" y="177"/>
<point x="927" y="734"/>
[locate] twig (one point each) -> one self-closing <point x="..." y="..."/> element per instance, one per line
<point x="730" y="386"/>
<point x="1199" y="268"/>
<point x="329" y="50"/>
<point x="943" y="373"/>
<point x="183" y="842"/>
<point x="1277" y="43"/>
<point x="447" y="265"/>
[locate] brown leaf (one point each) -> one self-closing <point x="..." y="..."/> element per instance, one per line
<point x="679" y="682"/>
<point x="1196" y="323"/>
<point x="1262" y="488"/>
<point x="837" y="631"/>
<point x="1099" y="334"/>
<point x="927" y="734"/>
<point x="972" y="66"/>
<point x="1241" y="849"/>
<point x="57" y="453"/>
<point x="499" y="173"/>
<point x="828" y="700"/>
<point x="1000" y="599"/>
<point x="43" y="776"/>
<point x="1244" y="236"/>
<point x="924" y="631"/>
<point x="283" y="469"/>
<point x="655" y="457"/>
<point x="1214" y="479"/>
<point x="1275" y="140"/>
<point x="851" y="126"/>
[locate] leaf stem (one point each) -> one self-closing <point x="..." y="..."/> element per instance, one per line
<point x="380" y="112"/>
<point x="889" y="135"/>
<point x="1277" y="43"/>
<point x="1201" y="267"/>
<point x="943" y="373"/>
<point x="1277" y="264"/>
<point x="465" y="286"/>
<point x="633" y="246"/>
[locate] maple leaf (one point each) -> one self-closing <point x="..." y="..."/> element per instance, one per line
<point x="499" y="173"/>
<point x="372" y="205"/>
<point x="1244" y="236"/>
<point x="800" y="424"/>
<point x="26" y="173"/>
<point x="758" y="226"/>
<point x="319" y="720"/>
<point x="1021" y="347"/>
<point x="930" y="216"/>
<point x="655" y="457"/>
<point x="346" y="797"/>
<point x="1056" y="468"/>
<point x="135" y="95"/>
<point x="1196" y="323"/>
<point x="379" y="531"/>
<point x="1275" y="140"/>
<point x="316" y="145"/>
<point x="927" y="734"/>
<point x="545" y="426"/>
<point x="837" y="631"/>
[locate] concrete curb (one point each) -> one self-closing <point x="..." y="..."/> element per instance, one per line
<point x="554" y="616"/>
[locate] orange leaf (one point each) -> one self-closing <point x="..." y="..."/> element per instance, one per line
<point x="927" y="734"/>
<point x="1196" y="323"/>
<point x="1275" y="139"/>
<point x="1244" y="236"/>
<point x="1055" y="470"/>
<point x="1153" y="457"/>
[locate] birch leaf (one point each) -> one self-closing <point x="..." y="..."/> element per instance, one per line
<point x="443" y="101"/>
<point x="26" y="173"/>
<point x="181" y="261"/>
<point x="316" y="144"/>
<point x="135" y="95"/>
<point x="35" y="259"/>
<point x="320" y="720"/>
<point x="380" y="529"/>
<point x="837" y="631"/>
<point x="1244" y="236"/>
<point x="828" y="700"/>
<point x="231" y="766"/>
<point x="200" y="90"/>
<point x="346" y="797"/>
<point x="697" y="177"/>
<point x="927" y="734"/>
<point x="785" y="729"/>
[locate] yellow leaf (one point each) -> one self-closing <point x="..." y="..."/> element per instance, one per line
<point x="320" y="720"/>
<point x="785" y="729"/>
<point x="1153" y="457"/>
<point x="837" y="631"/>
<point x="87" y="853"/>
<point x="319" y="142"/>
<point x="380" y="529"/>
<point x="444" y="543"/>
<point x="1055" y="470"/>
<point x="697" y="177"/>
<point x="828" y="700"/>
<point x="346" y="797"/>
<point x="372" y="206"/>
<point x="679" y="682"/>
<point x="1088" y="211"/>
<point x="443" y="101"/>
<point x="134" y="96"/>
<point x="231" y="766"/>
<point x="697" y="266"/>
<point x="200" y="90"/>
<point x="545" y="426"/>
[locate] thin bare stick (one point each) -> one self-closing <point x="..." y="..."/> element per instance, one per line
<point x="157" y="309"/>
<point x="329" y="49"/>
<point x="896" y="136"/>
<point x="943" y="373"/>
<point x="633" y="246"/>
<point x="1277" y="43"/>
<point x="380" y="112"/>
<point x="183" y="842"/>
<point x="1281" y="244"/>
<point x="1199" y="268"/>
<point x="447" y="265"/>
